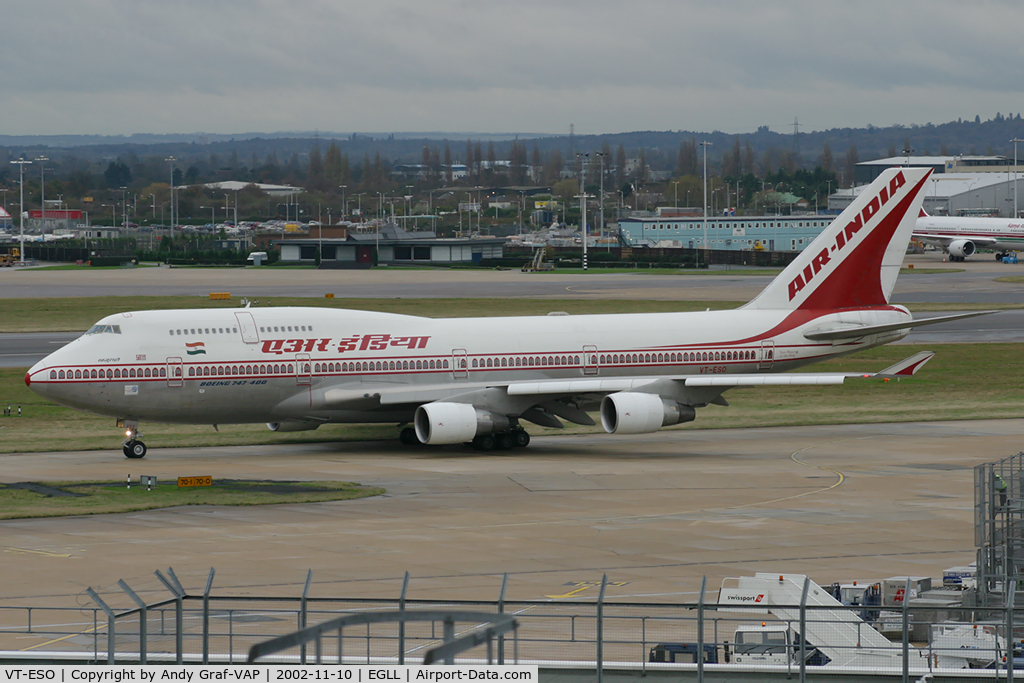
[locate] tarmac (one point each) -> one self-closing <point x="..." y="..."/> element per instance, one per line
<point x="653" y="512"/>
<point x="972" y="281"/>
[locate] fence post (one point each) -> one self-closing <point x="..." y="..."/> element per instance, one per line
<point x="110" y="624"/>
<point x="449" y="636"/>
<point x="501" y="610"/>
<point x="700" y="629"/>
<point x="303" y="614"/>
<point x="401" y="624"/>
<point x="600" y="628"/>
<point x="143" y="618"/>
<point x="206" y="617"/>
<point x="906" y="633"/>
<point x="803" y="630"/>
<point x="1011" y="591"/>
<point x="179" y="597"/>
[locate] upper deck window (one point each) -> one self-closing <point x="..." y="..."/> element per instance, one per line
<point x="104" y="329"/>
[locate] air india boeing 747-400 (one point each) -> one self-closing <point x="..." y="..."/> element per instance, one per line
<point x="475" y="380"/>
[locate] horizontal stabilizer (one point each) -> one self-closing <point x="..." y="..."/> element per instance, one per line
<point x="857" y="331"/>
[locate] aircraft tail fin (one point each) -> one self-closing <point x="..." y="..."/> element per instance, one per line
<point x="854" y="262"/>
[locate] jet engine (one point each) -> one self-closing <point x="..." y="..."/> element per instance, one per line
<point x="629" y="412"/>
<point x="447" y="423"/>
<point x="292" y="426"/>
<point x="961" y="248"/>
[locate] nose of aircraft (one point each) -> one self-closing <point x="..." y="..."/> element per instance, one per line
<point x="35" y="378"/>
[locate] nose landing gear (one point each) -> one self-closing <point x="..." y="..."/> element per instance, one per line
<point x="131" y="446"/>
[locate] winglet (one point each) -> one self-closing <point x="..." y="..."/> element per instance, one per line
<point x="907" y="367"/>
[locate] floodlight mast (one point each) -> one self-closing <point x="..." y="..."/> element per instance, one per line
<point x="705" y="144"/>
<point x="172" y="160"/>
<point x="21" y="206"/>
<point x="1015" y="141"/>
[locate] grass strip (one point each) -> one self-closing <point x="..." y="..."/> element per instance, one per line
<point x="20" y="501"/>
<point x="77" y="314"/>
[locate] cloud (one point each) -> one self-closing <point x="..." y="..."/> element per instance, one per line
<point x="113" y="66"/>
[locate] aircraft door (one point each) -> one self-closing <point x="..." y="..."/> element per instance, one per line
<point x="303" y="369"/>
<point x="175" y="372"/>
<point x="590" y="366"/>
<point x="247" y="327"/>
<point x="460" y="364"/>
<point x="767" y="355"/>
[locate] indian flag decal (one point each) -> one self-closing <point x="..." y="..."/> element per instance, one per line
<point x="195" y="348"/>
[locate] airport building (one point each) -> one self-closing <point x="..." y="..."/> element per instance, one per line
<point x="758" y="233"/>
<point x="393" y="246"/>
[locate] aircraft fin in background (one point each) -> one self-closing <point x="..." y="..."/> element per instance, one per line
<point x="854" y="262"/>
<point x="857" y="331"/>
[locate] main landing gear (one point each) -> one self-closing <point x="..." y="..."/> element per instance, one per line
<point x="517" y="437"/>
<point x="132" y="447"/>
<point x="502" y="441"/>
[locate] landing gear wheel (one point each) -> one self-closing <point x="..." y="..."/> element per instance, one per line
<point x="408" y="437"/>
<point x="134" y="450"/>
<point x="504" y="441"/>
<point x="521" y="438"/>
<point x="1000" y="255"/>
<point x="484" y="442"/>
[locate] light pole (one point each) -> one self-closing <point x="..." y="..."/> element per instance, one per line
<point x="153" y="197"/>
<point x="172" y="160"/>
<point x="42" y="188"/>
<point x="213" y="219"/>
<point x="584" y="158"/>
<point x="344" y="206"/>
<point x="124" y="208"/>
<point x="601" y="156"/>
<point x="705" y="144"/>
<point x="21" y="207"/>
<point x="1015" y="141"/>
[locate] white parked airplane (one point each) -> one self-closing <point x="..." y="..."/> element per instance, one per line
<point x="962" y="236"/>
<point x="474" y="379"/>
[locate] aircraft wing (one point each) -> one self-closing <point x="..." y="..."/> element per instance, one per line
<point x="945" y="240"/>
<point x="850" y="331"/>
<point x="530" y="393"/>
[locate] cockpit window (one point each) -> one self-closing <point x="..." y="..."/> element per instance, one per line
<point x="104" y="329"/>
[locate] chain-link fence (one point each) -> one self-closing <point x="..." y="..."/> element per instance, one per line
<point x="771" y="634"/>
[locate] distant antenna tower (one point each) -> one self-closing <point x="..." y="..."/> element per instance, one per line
<point x="572" y="142"/>
<point x="796" y="135"/>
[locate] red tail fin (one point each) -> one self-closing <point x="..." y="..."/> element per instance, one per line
<point x="855" y="260"/>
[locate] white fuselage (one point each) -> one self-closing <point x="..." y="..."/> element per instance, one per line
<point x="273" y="364"/>
<point x="997" y="233"/>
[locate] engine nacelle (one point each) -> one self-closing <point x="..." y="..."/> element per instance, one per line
<point x="629" y="412"/>
<point x="447" y="423"/>
<point x="292" y="426"/>
<point x="961" y="248"/>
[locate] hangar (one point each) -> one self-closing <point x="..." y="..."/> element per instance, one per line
<point x="391" y="245"/>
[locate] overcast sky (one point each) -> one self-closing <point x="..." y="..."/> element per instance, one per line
<point x="528" y="66"/>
